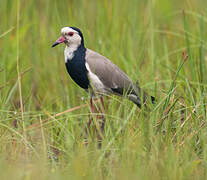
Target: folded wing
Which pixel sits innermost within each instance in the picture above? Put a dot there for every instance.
(113, 77)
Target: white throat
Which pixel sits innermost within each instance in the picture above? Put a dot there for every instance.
(69, 51)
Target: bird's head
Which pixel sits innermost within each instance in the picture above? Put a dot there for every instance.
(70, 36)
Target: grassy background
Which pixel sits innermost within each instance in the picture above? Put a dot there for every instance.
(150, 41)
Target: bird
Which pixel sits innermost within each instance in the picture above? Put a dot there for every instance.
(95, 73)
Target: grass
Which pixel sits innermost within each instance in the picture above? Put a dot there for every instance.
(43, 113)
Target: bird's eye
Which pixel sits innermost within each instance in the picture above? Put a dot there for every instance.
(70, 34)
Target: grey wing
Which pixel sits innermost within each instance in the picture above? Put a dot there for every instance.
(110, 75)
(114, 78)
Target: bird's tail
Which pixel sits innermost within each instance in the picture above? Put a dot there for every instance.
(139, 96)
(153, 99)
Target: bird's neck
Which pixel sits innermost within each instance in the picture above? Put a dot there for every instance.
(71, 50)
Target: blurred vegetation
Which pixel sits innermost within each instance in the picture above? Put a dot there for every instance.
(160, 43)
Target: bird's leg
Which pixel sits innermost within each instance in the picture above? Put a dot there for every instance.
(91, 104)
(92, 111)
(103, 112)
(102, 118)
(89, 122)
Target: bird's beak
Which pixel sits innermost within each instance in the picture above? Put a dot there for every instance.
(60, 40)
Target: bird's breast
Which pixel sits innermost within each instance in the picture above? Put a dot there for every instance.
(78, 72)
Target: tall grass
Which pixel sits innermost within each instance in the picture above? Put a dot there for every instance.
(43, 113)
